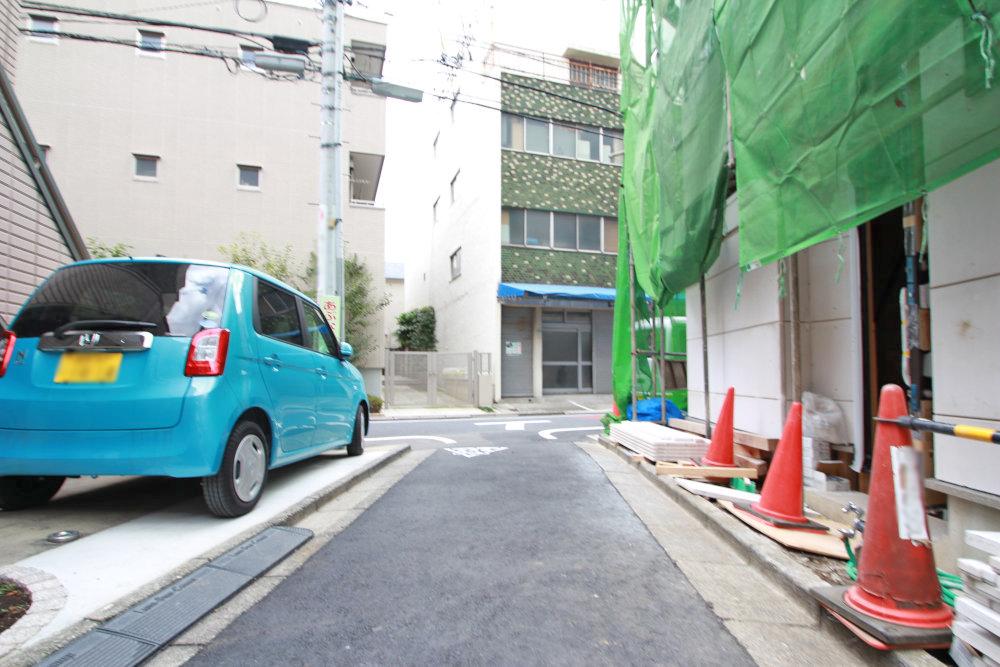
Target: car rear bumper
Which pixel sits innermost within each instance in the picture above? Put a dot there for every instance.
(192, 448)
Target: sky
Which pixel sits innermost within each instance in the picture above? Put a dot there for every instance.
(418, 33)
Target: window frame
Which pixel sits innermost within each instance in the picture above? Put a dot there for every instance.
(239, 181)
(298, 314)
(43, 36)
(150, 53)
(600, 132)
(302, 306)
(455, 259)
(601, 219)
(136, 157)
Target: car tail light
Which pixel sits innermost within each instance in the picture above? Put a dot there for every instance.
(7, 339)
(207, 354)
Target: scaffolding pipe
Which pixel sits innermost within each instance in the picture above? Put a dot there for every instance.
(704, 357)
(631, 310)
(796, 340)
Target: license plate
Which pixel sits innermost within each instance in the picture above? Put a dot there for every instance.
(88, 367)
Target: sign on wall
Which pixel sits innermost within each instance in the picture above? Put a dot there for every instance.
(332, 306)
(512, 348)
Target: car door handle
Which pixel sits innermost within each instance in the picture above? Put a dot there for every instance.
(321, 372)
(274, 362)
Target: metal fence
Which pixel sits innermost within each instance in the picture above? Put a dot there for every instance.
(421, 379)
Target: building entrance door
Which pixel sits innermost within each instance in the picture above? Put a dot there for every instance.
(567, 352)
(515, 355)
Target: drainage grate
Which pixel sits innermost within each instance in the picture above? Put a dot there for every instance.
(140, 631)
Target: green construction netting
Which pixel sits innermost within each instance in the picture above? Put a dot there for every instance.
(844, 109)
(674, 168)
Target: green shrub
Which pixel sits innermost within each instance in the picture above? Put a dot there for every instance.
(417, 330)
(374, 404)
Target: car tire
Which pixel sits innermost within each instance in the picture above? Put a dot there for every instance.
(18, 493)
(357, 445)
(236, 488)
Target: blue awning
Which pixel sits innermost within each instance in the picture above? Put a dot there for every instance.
(518, 290)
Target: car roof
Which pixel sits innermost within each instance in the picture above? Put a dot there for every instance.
(201, 262)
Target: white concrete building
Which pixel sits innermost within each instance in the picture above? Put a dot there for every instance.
(175, 154)
(521, 241)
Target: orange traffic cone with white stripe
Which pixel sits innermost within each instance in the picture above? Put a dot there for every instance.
(780, 501)
(720, 451)
(896, 602)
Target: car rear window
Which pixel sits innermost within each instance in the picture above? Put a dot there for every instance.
(180, 299)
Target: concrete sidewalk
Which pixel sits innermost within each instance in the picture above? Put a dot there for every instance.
(546, 405)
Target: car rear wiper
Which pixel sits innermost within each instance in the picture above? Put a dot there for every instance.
(103, 325)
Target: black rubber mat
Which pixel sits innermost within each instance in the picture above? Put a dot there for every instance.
(140, 631)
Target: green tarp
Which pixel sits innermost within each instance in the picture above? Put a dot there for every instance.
(844, 109)
(674, 168)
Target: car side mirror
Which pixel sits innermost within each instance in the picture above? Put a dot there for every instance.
(346, 351)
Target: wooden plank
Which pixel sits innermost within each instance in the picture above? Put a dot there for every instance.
(824, 544)
(744, 461)
(977, 638)
(984, 540)
(984, 617)
(752, 440)
(717, 492)
(703, 471)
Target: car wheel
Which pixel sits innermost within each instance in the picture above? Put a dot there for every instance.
(236, 488)
(357, 445)
(18, 493)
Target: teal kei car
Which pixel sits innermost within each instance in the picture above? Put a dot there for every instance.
(174, 368)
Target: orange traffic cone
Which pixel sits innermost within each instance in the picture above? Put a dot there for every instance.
(720, 451)
(780, 501)
(896, 602)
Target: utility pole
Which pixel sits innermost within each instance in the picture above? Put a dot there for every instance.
(330, 233)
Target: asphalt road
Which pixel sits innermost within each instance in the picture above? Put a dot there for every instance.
(520, 555)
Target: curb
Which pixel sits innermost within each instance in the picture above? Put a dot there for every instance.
(494, 413)
(776, 563)
(18, 657)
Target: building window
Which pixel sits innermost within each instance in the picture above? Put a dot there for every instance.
(589, 232)
(592, 76)
(456, 264)
(560, 231)
(43, 28)
(610, 235)
(248, 56)
(150, 42)
(538, 230)
(452, 187)
(368, 59)
(593, 144)
(612, 147)
(536, 135)
(434, 210)
(564, 141)
(512, 131)
(249, 177)
(146, 167)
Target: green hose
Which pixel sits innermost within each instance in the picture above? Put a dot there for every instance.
(951, 584)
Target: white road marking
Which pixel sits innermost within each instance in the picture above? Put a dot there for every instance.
(547, 434)
(472, 452)
(514, 425)
(443, 441)
(584, 407)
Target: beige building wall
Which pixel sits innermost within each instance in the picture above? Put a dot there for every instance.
(97, 105)
(31, 242)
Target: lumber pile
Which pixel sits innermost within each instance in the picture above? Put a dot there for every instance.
(977, 609)
(658, 443)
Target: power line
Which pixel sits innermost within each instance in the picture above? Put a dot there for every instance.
(77, 11)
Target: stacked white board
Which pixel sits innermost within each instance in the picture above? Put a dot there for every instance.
(659, 443)
(977, 609)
